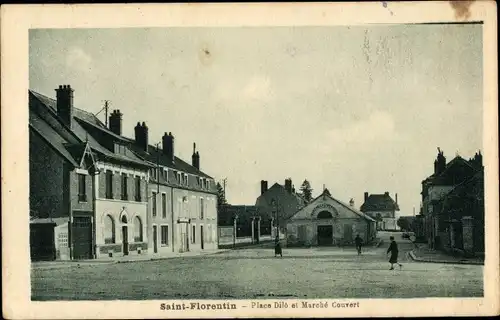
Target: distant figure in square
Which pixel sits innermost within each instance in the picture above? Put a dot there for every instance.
(359, 243)
(393, 249)
(277, 249)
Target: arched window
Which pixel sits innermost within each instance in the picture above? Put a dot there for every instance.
(109, 229)
(137, 229)
(325, 215)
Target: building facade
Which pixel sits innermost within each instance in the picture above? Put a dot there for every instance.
(82, 205)
(182, 198)
(278, 203)
(453, 205)
(327, 221)
(382, 208)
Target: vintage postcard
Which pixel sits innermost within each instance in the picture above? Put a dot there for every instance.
(250, 160)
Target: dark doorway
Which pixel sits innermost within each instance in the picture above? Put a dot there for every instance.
(202, 238)
(325, 235)
(125, 240)
(155, 239)
(82, 238)
(42, 242)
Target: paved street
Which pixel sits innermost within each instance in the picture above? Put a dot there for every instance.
(255, 273)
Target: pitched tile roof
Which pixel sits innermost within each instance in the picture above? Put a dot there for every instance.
(346, 206)
(455, 172)
(52, 137)
(289, 203)
(379, 202)
(156, 155)
(46, 110)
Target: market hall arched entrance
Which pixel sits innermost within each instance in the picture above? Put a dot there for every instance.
(325, 231)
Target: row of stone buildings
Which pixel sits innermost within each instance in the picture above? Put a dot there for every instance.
(95, 193)
(325, 220)
(452, 213)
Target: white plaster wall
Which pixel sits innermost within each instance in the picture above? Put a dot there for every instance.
(116, 209)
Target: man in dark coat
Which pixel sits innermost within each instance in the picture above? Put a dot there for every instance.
(393, 249)
(359, 243)
(277, 249)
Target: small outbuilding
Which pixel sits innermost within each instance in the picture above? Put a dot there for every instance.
(328, 221)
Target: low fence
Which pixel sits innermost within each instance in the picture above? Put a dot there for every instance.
(227, 240)
(243, 240)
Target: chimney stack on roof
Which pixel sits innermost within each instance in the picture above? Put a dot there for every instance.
(142, 136)
(440, 162)
(263, 187)
(195, 157)
(396, 198)
(351, 202)
(168, 145)
(64, 104)
(288, 185)
(366, 196)
(115, 122)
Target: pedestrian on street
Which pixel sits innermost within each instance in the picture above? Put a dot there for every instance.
(277, 249)
(393, 249)
(359, 243)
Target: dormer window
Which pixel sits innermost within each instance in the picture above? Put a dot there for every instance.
(185, 179)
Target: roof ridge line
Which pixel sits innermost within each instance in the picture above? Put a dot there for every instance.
(63, 125)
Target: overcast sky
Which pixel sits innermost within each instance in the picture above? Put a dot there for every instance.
(355, 108)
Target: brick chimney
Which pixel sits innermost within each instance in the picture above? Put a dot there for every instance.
(440, 162)
(288, 185)
(168, 145)
(366, 196)
(141, 136)
(396, 198)
(351, 202)
(115, 122)
(195, 158)
(64, 96)
(263, 186)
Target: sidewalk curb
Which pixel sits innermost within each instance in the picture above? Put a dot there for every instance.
(70, 264)
(170, 257)
(415, 258)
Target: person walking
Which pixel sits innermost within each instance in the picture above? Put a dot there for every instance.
(393, 249)
(359, 243)
(278, 250)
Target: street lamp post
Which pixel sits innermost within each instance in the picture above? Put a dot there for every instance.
(276, 207)
(235, 225)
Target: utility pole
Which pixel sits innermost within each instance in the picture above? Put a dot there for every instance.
(106, 111)
(106, 108)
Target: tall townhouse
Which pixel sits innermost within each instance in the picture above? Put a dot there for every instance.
(452, 200)
(182, 198)
(87, 188)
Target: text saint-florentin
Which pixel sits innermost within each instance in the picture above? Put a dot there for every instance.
(198, 306)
